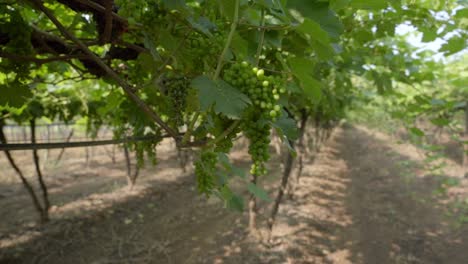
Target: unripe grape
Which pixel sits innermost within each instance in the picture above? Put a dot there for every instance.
(260, 73)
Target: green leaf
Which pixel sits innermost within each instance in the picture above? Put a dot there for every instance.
(369, 4)
(14, 94)
(314, 31)
(228, 8)
(149, 44)
(203, 25)
(454, 45)
(226, 99)
(231, 200)
(287, 127)
(174, 4)
(416, 131)
(258, 192)
(338, 4)
(239, 45)
(236, 202)
(301, 66)
(440, 121)
(429, 35)
(312, 88)
(327, 19)
(462, 13)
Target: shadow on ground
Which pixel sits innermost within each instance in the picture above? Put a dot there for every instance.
(355, 204)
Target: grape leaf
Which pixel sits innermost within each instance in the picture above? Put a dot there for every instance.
(454, 45)
(314, 30)
(14, 95)
(369, 4)
(226, 99)
(174, 4)
(258, 192)
(287, 127)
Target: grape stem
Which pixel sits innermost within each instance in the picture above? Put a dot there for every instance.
(262, 38)
(228, 41)
(226, 132)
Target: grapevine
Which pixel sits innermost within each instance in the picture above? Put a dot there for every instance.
(264, 91)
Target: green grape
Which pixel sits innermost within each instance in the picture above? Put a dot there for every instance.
(206, 49)
(263, 92)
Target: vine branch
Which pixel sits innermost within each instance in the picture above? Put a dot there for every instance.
(126, 87)
(228, 41)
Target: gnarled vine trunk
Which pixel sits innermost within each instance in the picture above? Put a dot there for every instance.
(40, 178)
(281, 190)
(29, 188)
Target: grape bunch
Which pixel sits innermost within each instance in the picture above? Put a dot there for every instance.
(264, 91)
(225, 144)
(259, 135)
(177, 90)
(205, 169)
(206, 48)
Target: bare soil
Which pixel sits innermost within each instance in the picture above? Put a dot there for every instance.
(363, 199)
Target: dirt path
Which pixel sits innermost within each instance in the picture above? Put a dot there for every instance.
(355, 204)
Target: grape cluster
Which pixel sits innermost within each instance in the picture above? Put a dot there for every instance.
(156, 13)
(177, 90)
(205, 48)
(264, 91)
(205, 169)
(224, 145)
(259, 135)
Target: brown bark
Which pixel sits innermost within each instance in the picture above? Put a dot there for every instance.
(24, 181)
(253, 209)
(300, 150)
(63, 149)
(284, 183)
(131, 178)
(40, 178)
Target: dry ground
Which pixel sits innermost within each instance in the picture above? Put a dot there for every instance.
(362, 200)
